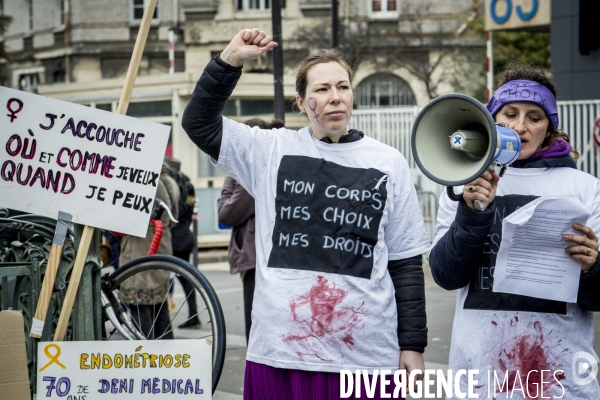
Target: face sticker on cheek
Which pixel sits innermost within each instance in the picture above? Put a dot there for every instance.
(312, 104)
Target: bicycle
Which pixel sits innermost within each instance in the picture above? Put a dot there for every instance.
(129, 328)
(26, 261)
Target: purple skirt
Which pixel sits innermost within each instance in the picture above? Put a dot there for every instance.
(262, 382)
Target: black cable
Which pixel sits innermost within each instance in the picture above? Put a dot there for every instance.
(452, 195)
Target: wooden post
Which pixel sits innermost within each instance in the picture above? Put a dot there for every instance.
(278, 99)
(46, 292)
(88, 231)
(62, 224)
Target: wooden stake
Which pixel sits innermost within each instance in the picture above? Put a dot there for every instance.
(46, 291)
(60, 233)
(88, 231)
(65, 312)
(136, 57)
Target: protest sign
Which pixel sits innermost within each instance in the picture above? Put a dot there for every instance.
(100, 167)
(165, 369)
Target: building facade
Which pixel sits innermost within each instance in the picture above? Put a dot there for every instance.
(575, 43)
(404, 53)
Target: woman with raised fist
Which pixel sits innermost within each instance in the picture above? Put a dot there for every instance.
(339, 233)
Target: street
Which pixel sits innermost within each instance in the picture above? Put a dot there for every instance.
(440, 313)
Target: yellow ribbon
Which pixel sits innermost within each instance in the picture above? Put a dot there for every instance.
(53, 357)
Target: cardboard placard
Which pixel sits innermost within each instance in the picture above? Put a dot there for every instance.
(100, 167)
(125, 369)
(14, 375)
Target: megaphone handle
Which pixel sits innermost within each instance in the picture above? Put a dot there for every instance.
(480, 205)
(493, 167)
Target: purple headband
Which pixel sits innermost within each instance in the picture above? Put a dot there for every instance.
(521, 90)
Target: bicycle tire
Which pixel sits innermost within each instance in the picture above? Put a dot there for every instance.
(200, 284)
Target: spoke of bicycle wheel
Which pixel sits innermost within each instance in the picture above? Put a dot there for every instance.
(154, 316)
(136, 323)
(137, 306)
(161, 305)
(184, 303)
(193, 292)
(178, 310)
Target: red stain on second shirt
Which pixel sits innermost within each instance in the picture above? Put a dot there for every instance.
(524, 358)
(317, 314)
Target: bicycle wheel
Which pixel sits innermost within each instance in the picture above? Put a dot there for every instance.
(123, 283)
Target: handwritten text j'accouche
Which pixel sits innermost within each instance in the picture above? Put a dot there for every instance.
(56, 174)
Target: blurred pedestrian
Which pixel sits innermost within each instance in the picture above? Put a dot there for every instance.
(146, 293)
(183, 244)
(236, 209)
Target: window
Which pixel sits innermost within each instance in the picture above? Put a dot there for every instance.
(59, 76)
(62, 12)
(30, 14)
(160, 108)
(137, 8)
(256, 5)
(384, 90)
(383, 8)
(241, 108)
(29, 82)
(104, 106)
(206, 169)
(1, 7)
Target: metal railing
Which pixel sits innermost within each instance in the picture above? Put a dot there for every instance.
(393, 126)
(577, 119)
(428, 203)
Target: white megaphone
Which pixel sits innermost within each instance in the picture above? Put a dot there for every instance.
(455, 139)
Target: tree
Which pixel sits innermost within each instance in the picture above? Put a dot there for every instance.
(423, 46)
(354, 42)
(527, 47)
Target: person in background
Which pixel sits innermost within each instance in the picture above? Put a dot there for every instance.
(111, 245)
(236, 209)
(276, 124)
(517, 337)
(184, 242)
(339, 233)
(146, 291)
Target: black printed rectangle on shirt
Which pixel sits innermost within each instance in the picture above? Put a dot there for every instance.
(480, 295)
(328, 216)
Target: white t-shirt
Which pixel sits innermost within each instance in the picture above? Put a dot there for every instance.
(499, 333)
(328, 219)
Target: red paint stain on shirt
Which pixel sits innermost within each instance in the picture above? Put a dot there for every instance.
(523, 359)
(318, 314)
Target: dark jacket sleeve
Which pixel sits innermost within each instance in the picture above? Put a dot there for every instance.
(202, 119)
(409, 286)
(588, 296)
(455, 257)
(236, 205)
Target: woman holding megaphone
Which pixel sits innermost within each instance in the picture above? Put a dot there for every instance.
(339, 234)
(512, 336)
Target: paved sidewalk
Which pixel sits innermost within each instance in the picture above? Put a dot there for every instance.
(212, 256)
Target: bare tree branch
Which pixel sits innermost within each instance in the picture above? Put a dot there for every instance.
(421, 42)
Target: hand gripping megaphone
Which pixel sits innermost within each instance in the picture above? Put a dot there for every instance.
(455, 139)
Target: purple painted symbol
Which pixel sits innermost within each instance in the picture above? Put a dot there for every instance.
(13, 113)
(312, 104)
